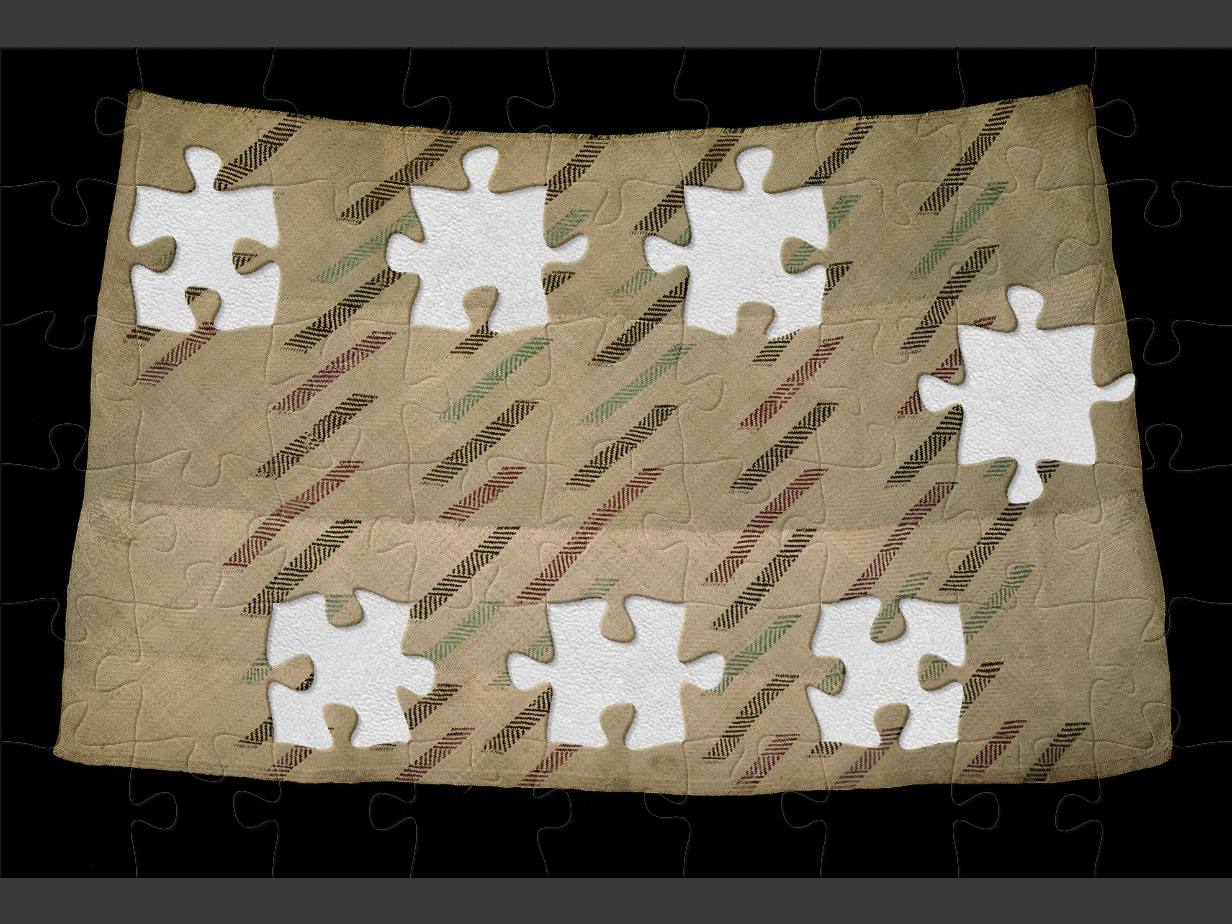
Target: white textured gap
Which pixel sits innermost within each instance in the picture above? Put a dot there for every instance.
(734, 251)
(883, 673)
(206, 224)
(590, 672)
(473, 238)
(360, 666)
(1026, 394)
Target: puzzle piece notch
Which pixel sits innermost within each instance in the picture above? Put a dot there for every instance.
(727, 269)
(883, 673)
(475, 238)
(591, 672)
(206, 224)
(360, 666)
(1026, 394)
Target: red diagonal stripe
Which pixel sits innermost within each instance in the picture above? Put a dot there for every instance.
(537, 589)
(272, 525)
(946, 371)
(435, 754)
(550, 764)
(332, 370)
(785, 392)
(993, 749)
(866, 761)
(484, 494)
(760, 523)
(911, 519)
(765, 761)
(178, 353)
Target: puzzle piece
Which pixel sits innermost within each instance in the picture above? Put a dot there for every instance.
(590, 672)
(727, 269)
(206, 224)
(478, 237)
(359, 666)
(1027, 395)
(882, 673)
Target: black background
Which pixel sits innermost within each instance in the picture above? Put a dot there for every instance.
(1164, 138)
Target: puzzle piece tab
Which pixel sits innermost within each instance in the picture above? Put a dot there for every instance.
(591, 672)
(880, 673)
(360, 666)
(206, 223)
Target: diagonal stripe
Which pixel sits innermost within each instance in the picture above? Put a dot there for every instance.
(841, 209)
(978, 682)
(961, 171)
(744, 720)
(550, 764)
(589, 473)
(538, 588)
(380, 194)
(403, 224)
(945, 431)
(462, 572)
(840, 155)
(785, 392)
(946, 299)
(765, 581)
(308, 337)
(434, 755)
(288, 762)
(983, 549)
(142, 332)
(890, 608)
(329, 373)
(865, 762)
(1069, 733)
(741, 660)
(994, 604)
(257, 153)
(673, 201)
(423, 707)
(947, 370)
(640, 383)
(906, 526)
(470, 344)
(964, 223)
(445, 470)
(662, 306)
(526, 719)
(501, 371)
(992, 750)
(768, 355)
(773, 457)
(576, 166)
(762, 521)
(290, 455)
(159, 370)
(487, 492)
(471, 623)
(273, 524)
(297, 569)
(765, 761)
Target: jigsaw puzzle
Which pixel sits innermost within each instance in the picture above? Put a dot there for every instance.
(724, 460)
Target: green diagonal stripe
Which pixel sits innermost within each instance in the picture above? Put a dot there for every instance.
(886, 614)
(539, 649)
(470, 624)
(259, 671)
(966, 221)
(655, 370)
(498, 374)
(841, 209)
(1001, 596)
(566, 226)
(358, 255)
(802, 254)
(754, 650)
(636, 282)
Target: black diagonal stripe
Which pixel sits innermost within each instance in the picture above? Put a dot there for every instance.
(835, 273)
(1069, 733)
(369, 203)
(428, 704)
(258, 736)
(576, 166)
(284, 459)
(765, 581)
(673, 201)
(143, 332)
(555, 279)
(520, 724)
(769, 460)
(961, 171)
(979, 680)
(471, 343)
(257, 153)
(983, 549)
(302, 565)
(463, 571)
(342, 312)
(950, 424)
(444, 471)
(619, 348)
(589, 473)
(769, 354)
(945, 300)
(744, 720)
(839, 156)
